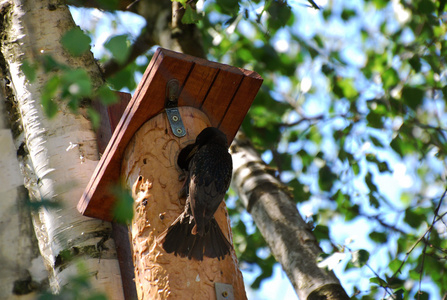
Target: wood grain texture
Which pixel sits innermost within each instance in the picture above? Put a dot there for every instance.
(222, 92)
(152, 154)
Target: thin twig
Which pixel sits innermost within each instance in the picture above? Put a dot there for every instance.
(423, 236)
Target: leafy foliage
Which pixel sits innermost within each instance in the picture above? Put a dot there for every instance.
(352, 116)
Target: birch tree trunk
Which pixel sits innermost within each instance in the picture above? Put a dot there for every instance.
(62, 151)
(22, 272)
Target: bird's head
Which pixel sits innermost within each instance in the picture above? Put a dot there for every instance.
(211, 135)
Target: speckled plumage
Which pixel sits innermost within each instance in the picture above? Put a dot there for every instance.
(208, 167)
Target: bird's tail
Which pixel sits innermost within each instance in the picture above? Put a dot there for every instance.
(179, 239)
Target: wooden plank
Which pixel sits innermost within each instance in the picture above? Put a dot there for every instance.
(116, 111)
(197, 85)
(223, 92)
(220, 96)
(97, 200)
(239, 107)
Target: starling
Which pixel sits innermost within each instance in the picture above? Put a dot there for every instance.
(208, 167)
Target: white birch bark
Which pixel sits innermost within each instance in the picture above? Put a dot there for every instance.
(22, 272)
(62, 151)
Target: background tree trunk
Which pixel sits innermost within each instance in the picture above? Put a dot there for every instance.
(62, 151)
(275, 214)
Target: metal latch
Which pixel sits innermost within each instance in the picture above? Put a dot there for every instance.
(224, 291)
(174, 118)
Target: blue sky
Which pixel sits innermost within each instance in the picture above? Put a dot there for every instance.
(352, 234)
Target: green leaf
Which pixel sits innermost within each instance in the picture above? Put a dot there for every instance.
(326, 178)
(390, 79)
(401, 147)
(379, 281)
(399, 294)
(380, 3)
(106, 95)
(48, 94)
(29, 70)
(395, 265)
(344, 88)
(123, 79)
(347, 14)
(415, 217)
(415, 63)
(229, 7)
(123, 210)
(360, 258)
(76, 82)
(119, 47)
(321, 232)
(413, 96)
(300, 191)
(76, 41)
(191, 16)
(376, 142)
(374, 119)
(280, 13)
(94, 117)
(421, 295)
(378, 237)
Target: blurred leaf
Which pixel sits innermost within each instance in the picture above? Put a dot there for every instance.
(360, 258)
(123, 210)
(76, 82)
(29, 70)
(399, 294)
(229, 7)
(280, 14)
(415, 217)
(347, 14)
(76, 41)
(415, 63)
(107, 96)
(390, 79)
(378, 237)
(344, 88)
(191, 16)
(94, 117)
(119, 47)
(123, 79)
(48, 93)
(374, 119)
(321, 232)
(421, 295)
(326, 178)
(379, 281)
(412, 96)
(300, 191)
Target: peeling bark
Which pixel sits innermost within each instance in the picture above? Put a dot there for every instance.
(62, 152)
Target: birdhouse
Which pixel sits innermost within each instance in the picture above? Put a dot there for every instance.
(178, 96)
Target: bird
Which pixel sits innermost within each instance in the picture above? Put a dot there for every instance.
(208, 168)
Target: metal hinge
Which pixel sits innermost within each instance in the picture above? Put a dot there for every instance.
(174, 118)
(224, 291)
